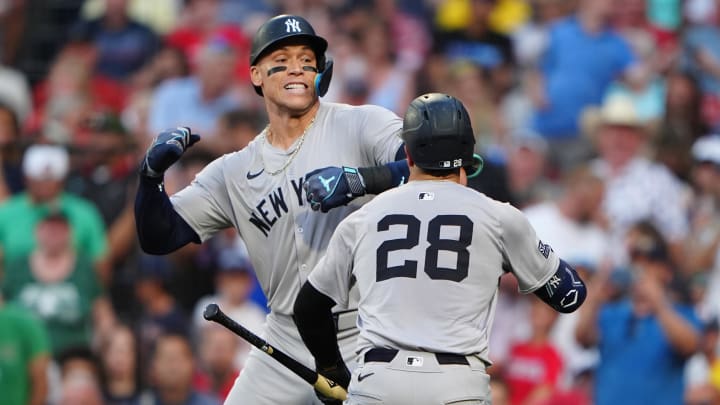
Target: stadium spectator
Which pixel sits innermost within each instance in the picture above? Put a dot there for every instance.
(80, 391)
(167, 64)
(72, 365)
(199, 100)
(568, 224)
(499, 393)
(160, 312)
(160, 15)
(530, 39)
(583, 57)
(71, 92)
(636, 188)
(172, 365)
(45, 168)
(234, 283)
(702, 373)
(683, 122)
(390, 83)
(236, 128)
(702, 246)
(59, 285)
(645, 338)
(527, 169)
(218, 348)
(512, 324)
(469, 84)
(119, 367)
(123, 44)
(534, 365)
(201, 22)
(11, 181)
(15, 93)
(683, 117)
(478, 42)
(701, 58)
(25, 356)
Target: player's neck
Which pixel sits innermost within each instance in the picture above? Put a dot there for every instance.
(284, 128)
(418, 175)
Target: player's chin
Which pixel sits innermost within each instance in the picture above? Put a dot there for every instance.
(299, 103)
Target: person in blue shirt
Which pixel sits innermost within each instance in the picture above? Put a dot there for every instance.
(645, 337)
(123, 44)
(582, 58)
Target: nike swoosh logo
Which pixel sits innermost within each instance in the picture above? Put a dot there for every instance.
(362, 377)
(251, 176)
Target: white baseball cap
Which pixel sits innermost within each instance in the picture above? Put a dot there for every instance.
(620, 110)
(707, 149)
(46, 162)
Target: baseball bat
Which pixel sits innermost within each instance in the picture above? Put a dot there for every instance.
(321, 383)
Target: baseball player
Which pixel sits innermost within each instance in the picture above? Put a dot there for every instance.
(259, 191)
(426, 258)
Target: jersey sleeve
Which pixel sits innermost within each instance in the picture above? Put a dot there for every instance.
(381, 134)
(205, 203)
(532, 261)
(331, 275)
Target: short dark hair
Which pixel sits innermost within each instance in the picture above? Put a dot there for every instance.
(79, 352)
(440, 172)
(168, 335)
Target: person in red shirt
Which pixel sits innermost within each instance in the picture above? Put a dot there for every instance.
(217, 353)
(201, 24)
(534, 366)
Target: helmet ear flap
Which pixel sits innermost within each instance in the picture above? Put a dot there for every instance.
(322, 80)
(477, 166)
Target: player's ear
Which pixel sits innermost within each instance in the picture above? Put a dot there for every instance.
(255, 76)
(463, 177)
(410, 162)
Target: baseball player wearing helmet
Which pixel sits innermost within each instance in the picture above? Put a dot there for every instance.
(426, 259)
(259, 191)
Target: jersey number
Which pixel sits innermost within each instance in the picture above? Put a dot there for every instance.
(411, 239)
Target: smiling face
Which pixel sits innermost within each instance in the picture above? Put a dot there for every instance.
(286, 75)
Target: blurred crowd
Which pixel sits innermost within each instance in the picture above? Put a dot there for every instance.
(597, 118)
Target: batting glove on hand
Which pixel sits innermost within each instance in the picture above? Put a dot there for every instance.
(340, 375)
(332, 187)
(166, 149)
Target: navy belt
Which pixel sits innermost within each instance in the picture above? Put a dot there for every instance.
(383, 355)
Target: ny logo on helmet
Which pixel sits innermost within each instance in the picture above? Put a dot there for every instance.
(292, 25)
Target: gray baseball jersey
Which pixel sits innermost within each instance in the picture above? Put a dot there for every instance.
(284, 236)
(427, 258)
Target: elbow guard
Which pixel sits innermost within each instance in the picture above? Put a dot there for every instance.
(564, 291)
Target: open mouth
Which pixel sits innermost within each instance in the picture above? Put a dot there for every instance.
(296, 87)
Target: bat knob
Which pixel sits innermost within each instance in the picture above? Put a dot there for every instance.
(211, 312)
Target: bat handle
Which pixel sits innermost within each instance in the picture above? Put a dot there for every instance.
(329, 388)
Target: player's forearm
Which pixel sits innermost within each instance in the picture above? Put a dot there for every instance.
(678, 331)
(312, 313)
(565, 291)
(380, 178)
(160, 228)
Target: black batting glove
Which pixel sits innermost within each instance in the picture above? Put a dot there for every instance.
(166, 149)
(332, 187)
(339, 374)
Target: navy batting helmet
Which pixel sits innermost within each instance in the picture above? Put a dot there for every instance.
(285, 26)
(438, 133)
